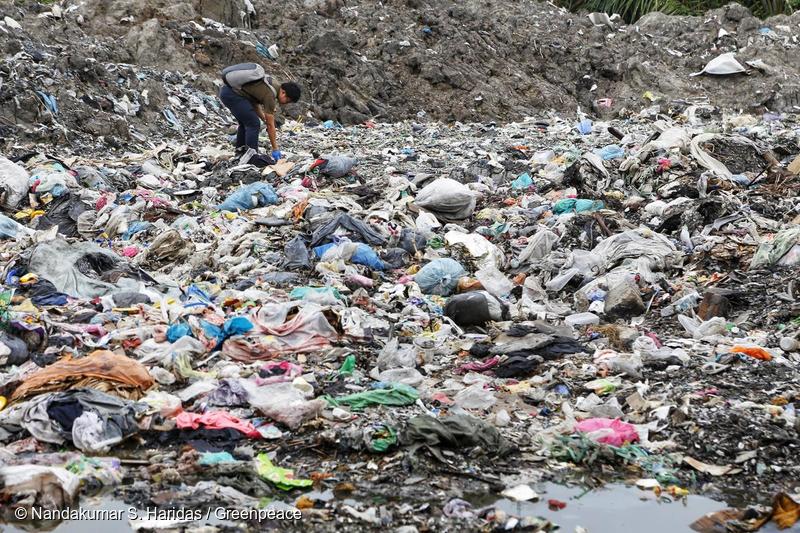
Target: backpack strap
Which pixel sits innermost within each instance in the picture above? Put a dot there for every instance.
(268, 81)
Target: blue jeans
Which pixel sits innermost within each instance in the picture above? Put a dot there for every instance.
(242, 109)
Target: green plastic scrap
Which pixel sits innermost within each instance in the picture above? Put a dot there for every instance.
(183, 367)
(283, 478)
(348, 366)
(579, 449)
(5, 303)
(103, 471)
(396, 395)
(435, 243)
(382, 437)
(777, 251)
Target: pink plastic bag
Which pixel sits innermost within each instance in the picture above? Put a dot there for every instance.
(216, 420)
(607, 431)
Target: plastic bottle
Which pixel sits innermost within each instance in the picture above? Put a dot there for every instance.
(683, 304)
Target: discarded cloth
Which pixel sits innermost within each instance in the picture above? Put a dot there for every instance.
(216, 420)
(101, 369)
(457, 432)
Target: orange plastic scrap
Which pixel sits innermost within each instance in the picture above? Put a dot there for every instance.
(753, 351)
(786, 511)
(299, 209)
(113, 371)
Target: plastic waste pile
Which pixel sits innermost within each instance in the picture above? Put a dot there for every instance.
(469, 307)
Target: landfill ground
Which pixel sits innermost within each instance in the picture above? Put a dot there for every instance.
(582, 315)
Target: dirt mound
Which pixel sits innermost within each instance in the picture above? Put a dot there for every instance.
(474, 61)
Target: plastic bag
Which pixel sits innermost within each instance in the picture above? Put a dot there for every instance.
(582, 319)
(584, 127)
(447, 199)
(478, 246)
(539, 246)
(579, 205)
(258, 194)
(411, 241)
(494, 281)
(475, 397)
(282, 402)
(396, 395)
(283, 478)
(699, 329)
(317, 295)
(296, 254)
(395, 258)
(612, 151)
(337, 166)
(608, 431)
(13, 183)
(9, 228)
(167, 404)
(776, 251)
(722, 65)
(475, 308)
(440, 276)
(395, 356)
(354, 252)
(524, 181)
(406, 376)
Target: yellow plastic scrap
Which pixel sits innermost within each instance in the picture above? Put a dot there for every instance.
(28, 279)
(28, 213)
(26, 306)
(518, 388)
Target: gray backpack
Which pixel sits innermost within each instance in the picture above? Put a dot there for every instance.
(239, 75)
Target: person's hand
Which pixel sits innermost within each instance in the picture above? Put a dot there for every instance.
(276, 155)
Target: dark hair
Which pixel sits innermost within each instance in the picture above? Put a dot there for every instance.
(292, 90)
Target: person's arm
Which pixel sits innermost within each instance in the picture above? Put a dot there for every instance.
(270, 120)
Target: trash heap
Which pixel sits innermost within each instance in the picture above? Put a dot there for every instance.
(400, 324)
(475, 303)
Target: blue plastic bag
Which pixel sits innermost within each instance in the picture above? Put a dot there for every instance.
(258, 194)
(584, 126)
(233, 326)
(440, 276)
(135, 227)
(524, 181)
(9, 228)
(612, 151)
(176, 331)
(579, 205)
(364, 255)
